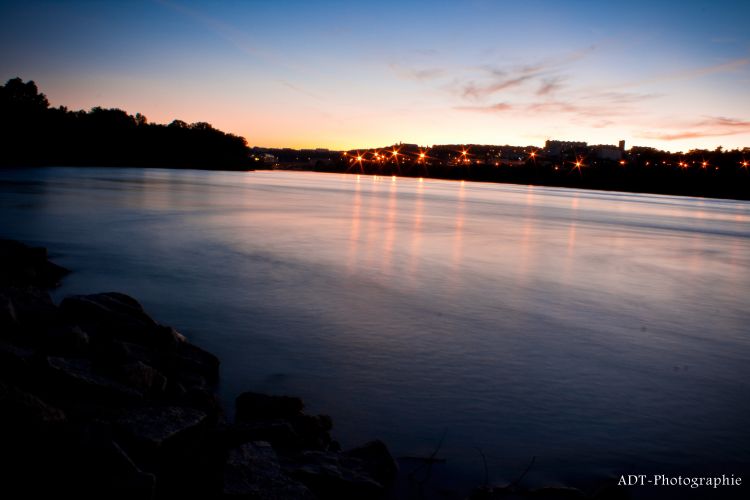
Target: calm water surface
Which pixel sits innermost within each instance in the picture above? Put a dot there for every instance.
(603, 333)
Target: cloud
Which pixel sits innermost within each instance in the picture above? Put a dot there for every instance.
(417, 74)
(471, 89)
(550, 86)
(608, 97)
(496, 79)
(492, 108)
(716, 126)
(554, 107)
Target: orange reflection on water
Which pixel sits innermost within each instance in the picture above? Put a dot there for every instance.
(527, 232)
(458, 232)
(355, 224)
(568, 264)
(390, 226)
(416, 232)
(373, 230)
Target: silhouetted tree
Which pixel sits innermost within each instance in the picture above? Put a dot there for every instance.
(34, 134)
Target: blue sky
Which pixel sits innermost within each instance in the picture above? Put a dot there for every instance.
(673, 75)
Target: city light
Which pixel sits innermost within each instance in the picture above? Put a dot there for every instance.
(577, 165)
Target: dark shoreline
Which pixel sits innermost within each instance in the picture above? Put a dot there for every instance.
(101, 401)
(737, 196)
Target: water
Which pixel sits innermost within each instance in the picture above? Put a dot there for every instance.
(603, 333)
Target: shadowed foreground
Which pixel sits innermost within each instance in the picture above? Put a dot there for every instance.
(101, 401)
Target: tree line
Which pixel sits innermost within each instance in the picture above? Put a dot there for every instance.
(34, 134)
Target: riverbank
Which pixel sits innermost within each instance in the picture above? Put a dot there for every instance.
(710, 185)
(101, 401)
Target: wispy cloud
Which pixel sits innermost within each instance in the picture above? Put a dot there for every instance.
(550, 86)
(498, 78)
(474, 90)
(417, 74)
(716, 126)
(491, 108)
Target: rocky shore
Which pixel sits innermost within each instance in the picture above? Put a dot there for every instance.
(99, 400)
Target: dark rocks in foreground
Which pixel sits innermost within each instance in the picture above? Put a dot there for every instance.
(101, 401)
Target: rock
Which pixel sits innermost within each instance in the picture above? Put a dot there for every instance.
(87, 462)
(279, 433)
(77, 378)
(252, 471)
(143, 378)
(169, 335)
(377, 460)
(112, 315)
(191, 360)
(67, 341)
(28, 310)
(123, 479)
(333, 475)
(17, 363)
(25, 410)
(24, 265)
(8, 318)
(108, 353)
(202, 399)
(100, 401)
(157, 426)
(313, 431)
(254, 406)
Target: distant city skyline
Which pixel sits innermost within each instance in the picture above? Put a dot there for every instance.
(347, 75)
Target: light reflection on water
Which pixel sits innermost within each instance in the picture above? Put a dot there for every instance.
(597, 331)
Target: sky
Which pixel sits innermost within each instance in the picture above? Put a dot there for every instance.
(345, 75)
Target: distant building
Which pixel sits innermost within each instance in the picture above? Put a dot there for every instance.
(556, 148)
(607, 152)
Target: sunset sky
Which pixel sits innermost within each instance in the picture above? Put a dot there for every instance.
(672, 75)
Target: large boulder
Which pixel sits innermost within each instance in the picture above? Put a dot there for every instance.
(27, 311)
(66, 340)
(154, 427)
(252, 471)
(376, 459)
(23, 410)
(27, 266)
(333, 475)
(18, 364)
(77, 379)
(143, 378)
(189, 360)
(116, 315)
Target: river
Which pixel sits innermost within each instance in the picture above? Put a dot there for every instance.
(603, 333)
